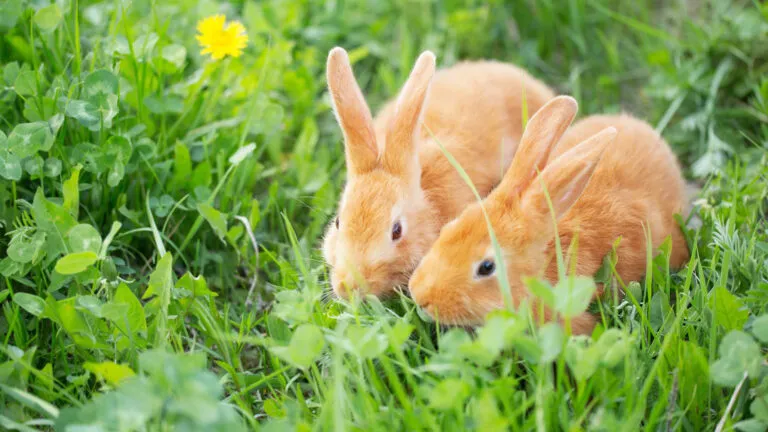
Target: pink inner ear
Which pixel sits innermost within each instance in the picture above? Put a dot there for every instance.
(572, 189)
(541, 136)
(537, 166)
(564, 201)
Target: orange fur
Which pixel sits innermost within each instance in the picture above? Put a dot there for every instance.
(601, 188)
(397, 172)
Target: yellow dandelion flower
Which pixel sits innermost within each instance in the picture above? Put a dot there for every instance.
(219, 38)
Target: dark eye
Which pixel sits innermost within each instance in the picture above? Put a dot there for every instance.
(397, 231)
(337, 222)
(486, 268)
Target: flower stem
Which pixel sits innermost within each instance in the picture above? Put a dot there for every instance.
(219, 85)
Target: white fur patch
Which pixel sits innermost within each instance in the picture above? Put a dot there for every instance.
(396, 213)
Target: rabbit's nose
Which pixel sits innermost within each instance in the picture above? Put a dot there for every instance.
(347, 286)
(427, 306)
(419, 294)
(344, 284)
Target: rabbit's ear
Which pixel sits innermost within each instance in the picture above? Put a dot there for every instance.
(565, 178)
(541, 135)
(400, 150)
(352, 113)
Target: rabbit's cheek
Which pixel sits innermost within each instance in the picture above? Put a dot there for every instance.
(329, 244)
(378, 255)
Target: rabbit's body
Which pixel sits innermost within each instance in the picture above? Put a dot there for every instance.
(401, 188)
(609, 177)
(636, 184)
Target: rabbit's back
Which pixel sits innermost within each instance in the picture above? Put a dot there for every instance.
(637, 186)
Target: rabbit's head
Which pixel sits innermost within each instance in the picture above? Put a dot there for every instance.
(384, 223)
(458, 281)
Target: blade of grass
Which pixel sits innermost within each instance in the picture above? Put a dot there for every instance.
(506, 290)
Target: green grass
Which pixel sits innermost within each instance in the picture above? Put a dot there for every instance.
(137, 180)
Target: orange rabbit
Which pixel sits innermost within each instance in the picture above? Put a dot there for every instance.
(400, 186)
(609, 177)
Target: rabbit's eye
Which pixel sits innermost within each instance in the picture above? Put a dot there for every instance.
(337, 222)
(397, 231)
(486, 268)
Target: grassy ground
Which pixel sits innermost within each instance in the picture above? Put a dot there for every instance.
(136, 177)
